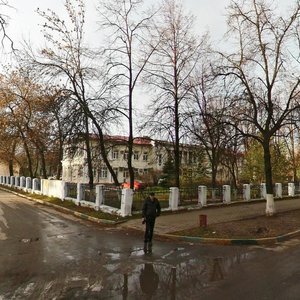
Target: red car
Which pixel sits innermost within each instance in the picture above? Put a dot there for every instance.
(137, 185)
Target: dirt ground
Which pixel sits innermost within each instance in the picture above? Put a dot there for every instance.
(258, 227)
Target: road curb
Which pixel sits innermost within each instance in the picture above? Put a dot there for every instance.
(67, 210)
(234, 242)
(191, 239)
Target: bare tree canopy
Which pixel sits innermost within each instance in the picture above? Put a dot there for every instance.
(128, 51)
(263, 73)
(169, 75)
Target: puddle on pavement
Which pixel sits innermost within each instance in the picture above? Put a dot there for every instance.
(30, 240)
(182, 279)
(130, 274)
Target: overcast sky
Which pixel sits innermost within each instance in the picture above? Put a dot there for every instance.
(24, 21)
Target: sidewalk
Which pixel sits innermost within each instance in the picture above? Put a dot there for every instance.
(215, 214)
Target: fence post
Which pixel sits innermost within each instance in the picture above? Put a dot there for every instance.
(28, 183)
(79, 193)
(174, 198)
(202, 195)
(35, 184)
(246, 192)
(278, 190)
(226, 194)
(12, 180)
(291, 189)
(63, 190)
(17, 181)
(263, 191)
(126, 202)
(22, 182)
(99, 196)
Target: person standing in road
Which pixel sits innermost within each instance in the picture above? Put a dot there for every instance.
(151, 210)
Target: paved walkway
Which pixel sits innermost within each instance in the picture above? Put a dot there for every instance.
(215, 214)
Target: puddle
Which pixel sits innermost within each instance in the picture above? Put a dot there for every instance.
(26, 241)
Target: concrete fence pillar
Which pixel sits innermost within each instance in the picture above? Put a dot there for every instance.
(8, 180)
(22, 182)
(17, 181)
(291, 189)
(263, 191)
(278, 190)
(174, 198)
(226, 194)
(28, 183)
(246, 192)
(202, 195)
(99, 196)
(12, 180)
(36, 184)
(126, 202)
(79, 193)
(64, 190)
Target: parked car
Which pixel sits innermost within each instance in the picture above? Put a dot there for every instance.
(138, 185)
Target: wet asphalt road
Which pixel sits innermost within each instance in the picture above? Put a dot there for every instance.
(45, 254)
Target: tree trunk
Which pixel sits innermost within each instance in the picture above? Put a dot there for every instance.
(88, 152)
(43, 162)
(270, 205)
(60, 155)
(130, 137)
(11, 167)
(28, 156)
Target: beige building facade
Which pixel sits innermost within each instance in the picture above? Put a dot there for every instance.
(149, 156)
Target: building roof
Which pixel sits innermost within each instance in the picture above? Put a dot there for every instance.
(120, 139)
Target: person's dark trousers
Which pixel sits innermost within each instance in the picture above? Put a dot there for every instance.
(150, 222)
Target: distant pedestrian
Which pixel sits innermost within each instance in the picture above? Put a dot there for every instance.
(151, 210)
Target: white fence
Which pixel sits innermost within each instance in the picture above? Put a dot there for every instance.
(96, 200)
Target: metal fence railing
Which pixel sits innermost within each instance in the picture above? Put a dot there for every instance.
(139, 196)
(71, 190)
(112, 196)
(214, 195)
(237, 194)
(88, 193)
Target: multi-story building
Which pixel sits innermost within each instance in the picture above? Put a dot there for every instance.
(149, 157)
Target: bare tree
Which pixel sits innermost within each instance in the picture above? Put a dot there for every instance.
(206, 119)
(4, 23)
(128, 51)
(169, 74)
(263, 74)
(67, 59)
(20, 96)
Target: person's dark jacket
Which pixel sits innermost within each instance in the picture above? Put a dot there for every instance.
(151, 209)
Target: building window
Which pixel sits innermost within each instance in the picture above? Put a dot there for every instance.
(136, 156)
(125, 156)
(115, 155)
(159, 159)
(103, 172)
(145, 156)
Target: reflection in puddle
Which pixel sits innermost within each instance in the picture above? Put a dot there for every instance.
(121, 276)
(148, 280)
(183, 281)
